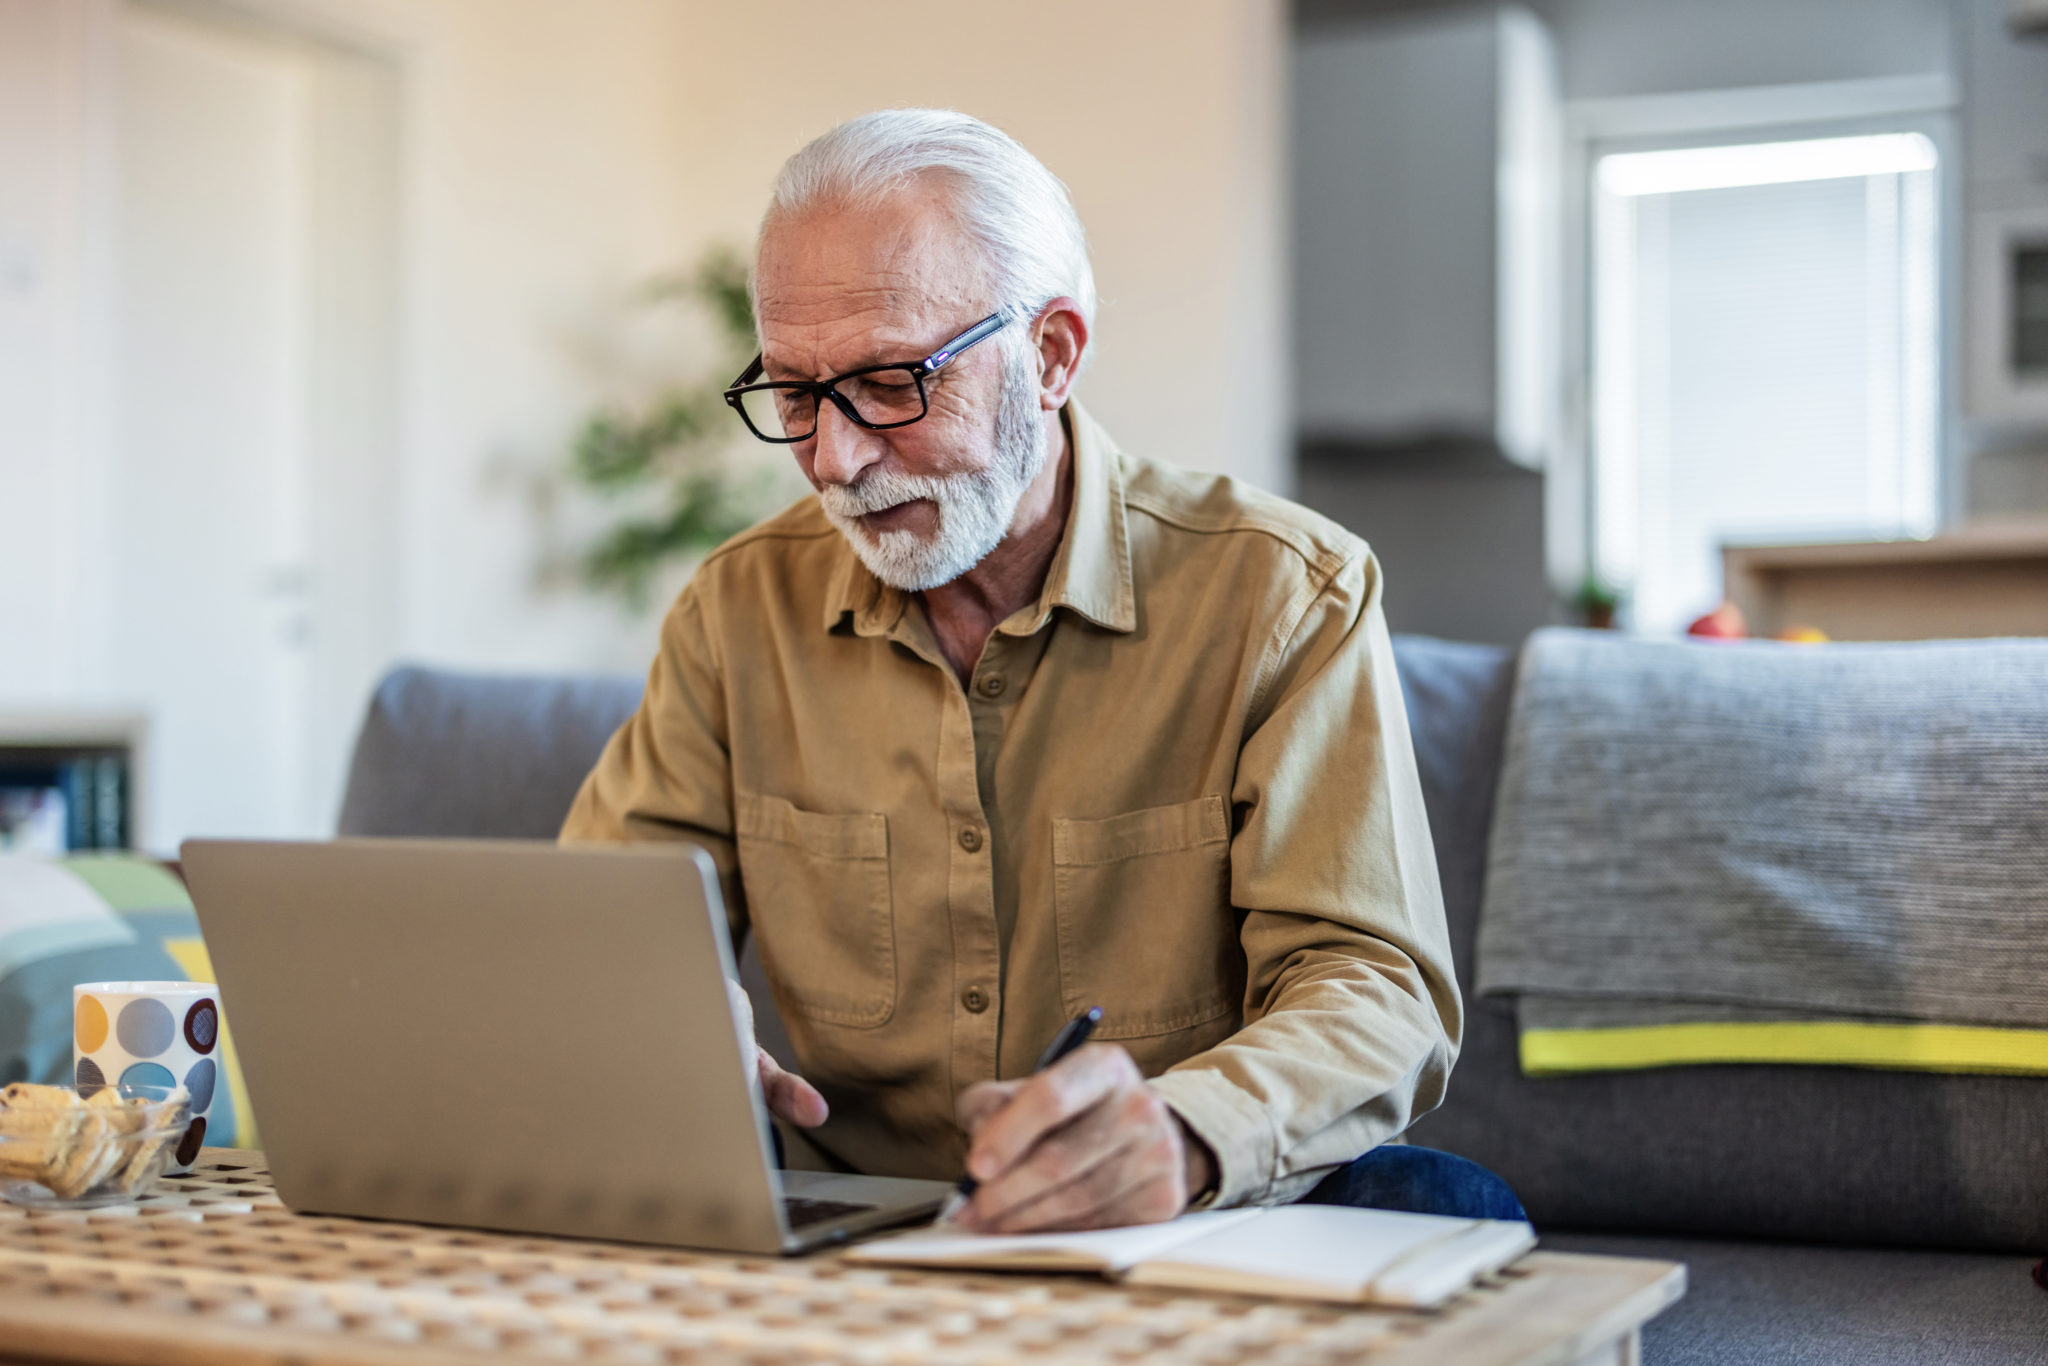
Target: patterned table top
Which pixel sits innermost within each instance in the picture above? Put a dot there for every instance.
(212, 1268)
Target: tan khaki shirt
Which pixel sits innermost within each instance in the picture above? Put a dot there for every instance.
(1179, 787)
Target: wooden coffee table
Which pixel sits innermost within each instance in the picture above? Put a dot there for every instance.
(213, 1269)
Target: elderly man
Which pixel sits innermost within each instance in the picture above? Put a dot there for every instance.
(1005, 724)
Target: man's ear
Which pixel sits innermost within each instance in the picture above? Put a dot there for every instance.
(1060, 334)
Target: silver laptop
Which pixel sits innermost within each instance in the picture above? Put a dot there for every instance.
(510, 1036)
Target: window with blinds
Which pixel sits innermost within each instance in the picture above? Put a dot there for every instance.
(1766, 355)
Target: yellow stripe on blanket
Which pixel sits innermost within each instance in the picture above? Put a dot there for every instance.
(1835, 1043)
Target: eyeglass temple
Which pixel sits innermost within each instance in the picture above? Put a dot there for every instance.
(981, 331)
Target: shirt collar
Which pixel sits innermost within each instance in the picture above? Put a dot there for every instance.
(855, 592)
(1090, 573)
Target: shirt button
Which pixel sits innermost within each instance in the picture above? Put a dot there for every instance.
(992, 685)
(970, 838)
(975, 999)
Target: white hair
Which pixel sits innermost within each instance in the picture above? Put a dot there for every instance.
(1016, 212)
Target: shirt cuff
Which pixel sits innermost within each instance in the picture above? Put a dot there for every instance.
(1237, 1129)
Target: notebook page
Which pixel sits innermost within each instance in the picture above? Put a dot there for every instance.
(1432, 1274)
(1332, 1252)
(1107, 1250)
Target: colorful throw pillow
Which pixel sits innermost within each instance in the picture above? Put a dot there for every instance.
(97, 918)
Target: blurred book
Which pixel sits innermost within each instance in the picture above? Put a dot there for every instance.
(54, 801)
(34, 820)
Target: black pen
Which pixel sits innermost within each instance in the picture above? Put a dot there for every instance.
(1072, 1035)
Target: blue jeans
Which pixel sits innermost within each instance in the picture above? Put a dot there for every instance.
(1421, 1181)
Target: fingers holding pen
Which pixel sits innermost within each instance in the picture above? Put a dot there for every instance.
(1035, 1106)
(1083, 1144)
(978, 1104)
(1080, 1176)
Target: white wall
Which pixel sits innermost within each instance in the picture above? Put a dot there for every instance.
(563, 153)
(52, 258)
(1165, 120)
(553, 156)
(546, 173)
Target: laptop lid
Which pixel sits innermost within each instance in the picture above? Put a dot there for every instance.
(507, 1035)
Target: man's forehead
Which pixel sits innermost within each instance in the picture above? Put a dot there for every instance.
(844, 289)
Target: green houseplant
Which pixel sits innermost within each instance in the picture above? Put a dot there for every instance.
(668, 465)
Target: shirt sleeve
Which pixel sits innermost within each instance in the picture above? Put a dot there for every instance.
(666, 774)
(1352, 1015)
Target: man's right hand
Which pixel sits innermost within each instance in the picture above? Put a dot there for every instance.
(790, 1098)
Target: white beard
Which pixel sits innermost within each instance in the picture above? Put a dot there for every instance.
(975, 509)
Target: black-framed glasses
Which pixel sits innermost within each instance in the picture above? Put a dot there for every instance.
(877, 397)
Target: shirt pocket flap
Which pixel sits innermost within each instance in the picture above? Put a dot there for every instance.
(855, 835)
(818, 893)
(1155, 830)
(1141, 906)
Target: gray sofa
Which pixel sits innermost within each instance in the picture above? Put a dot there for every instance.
(1826, 1214)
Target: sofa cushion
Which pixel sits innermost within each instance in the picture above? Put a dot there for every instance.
(1829, 1306)
(452, 755)
(1830, 1154)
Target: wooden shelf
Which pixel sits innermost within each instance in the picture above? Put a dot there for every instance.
(1990, 579)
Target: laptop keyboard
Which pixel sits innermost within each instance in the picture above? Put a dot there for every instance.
(802, 1213)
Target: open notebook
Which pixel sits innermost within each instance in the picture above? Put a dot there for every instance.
(1313, 1252)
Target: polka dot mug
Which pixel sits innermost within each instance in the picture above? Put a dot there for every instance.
(154, 1034)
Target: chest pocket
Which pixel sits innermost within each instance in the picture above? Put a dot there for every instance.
(1146, 930)
(818, 893)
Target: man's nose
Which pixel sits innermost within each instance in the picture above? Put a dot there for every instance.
(841, 449)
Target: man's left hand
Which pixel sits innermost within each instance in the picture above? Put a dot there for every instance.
(1084, 1144)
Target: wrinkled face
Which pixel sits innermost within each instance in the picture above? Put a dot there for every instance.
(837, 291)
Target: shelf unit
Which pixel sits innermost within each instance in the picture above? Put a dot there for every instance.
(86, 764)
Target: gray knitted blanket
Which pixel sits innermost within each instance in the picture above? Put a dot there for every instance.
(1772, 831)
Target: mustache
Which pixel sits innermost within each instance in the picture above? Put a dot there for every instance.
(876, 490)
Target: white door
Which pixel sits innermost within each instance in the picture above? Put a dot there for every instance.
(250, 515)
(210, 524)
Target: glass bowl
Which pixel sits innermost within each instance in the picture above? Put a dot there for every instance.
(60, 1149)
